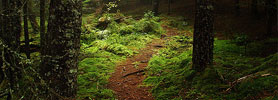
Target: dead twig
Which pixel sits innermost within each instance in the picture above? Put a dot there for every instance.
(139, 71)
(234, 83)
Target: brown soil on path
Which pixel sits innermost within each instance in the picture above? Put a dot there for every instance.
(128, 75)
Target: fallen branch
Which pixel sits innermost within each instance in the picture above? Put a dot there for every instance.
(139, 71)
(126, 64)
(234, 83)
(2, 94)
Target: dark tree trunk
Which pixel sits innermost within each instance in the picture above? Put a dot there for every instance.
(254, 7)
(203, 35)
(169, 6)
(59, 64)
(26, 32)
(10, 36)
(42, 25)
(271, 16)
(32, 16)
(1, 18)
(237, 7)
(156, 7)
(1, 47)
(12, 27)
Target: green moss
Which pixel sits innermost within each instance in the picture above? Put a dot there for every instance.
(171, 69)
(102, 49)
(166, 72)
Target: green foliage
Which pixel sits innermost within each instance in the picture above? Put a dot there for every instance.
(179, 22)
(241, 39)
(253, 87)
(166, 85)
(171, 75)
(147, 25)
(102, 47)
(93, 76)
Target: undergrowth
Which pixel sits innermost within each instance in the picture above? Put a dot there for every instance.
(107, 40)
(171, 75)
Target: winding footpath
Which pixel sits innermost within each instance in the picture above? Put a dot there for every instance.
(129, 75)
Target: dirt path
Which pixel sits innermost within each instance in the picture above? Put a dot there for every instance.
(128, 76)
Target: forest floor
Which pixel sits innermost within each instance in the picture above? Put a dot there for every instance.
(129, 74)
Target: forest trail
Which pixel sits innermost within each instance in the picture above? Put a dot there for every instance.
(129, 74)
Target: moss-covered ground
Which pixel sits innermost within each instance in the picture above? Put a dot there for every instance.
(107, 40)
(239, 72)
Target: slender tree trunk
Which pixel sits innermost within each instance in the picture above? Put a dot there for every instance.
(26, 32)
(156, 7)
(59, 64)
(10, 36)
(1, 18)
(1, 47)
(32, 16)
(203, 35)
(169, 6)
(271, 16)
(237, 7)
(254, 8)
(12, 27)
(42, 25)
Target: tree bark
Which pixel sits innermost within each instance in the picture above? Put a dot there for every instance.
(42, 25)
(10, 36)
(59, 64)
(12, 27)
(169, 6)
(1, 47)
(156, 7)
(254, 7)
(26, 32)
(237, 7)
(271, 16)
(203, 35)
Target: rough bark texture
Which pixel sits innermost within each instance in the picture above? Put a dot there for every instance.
(59, 64)
(156, 7)
(271, 16)
(1, 47)
(12, 28)
(254, 7)
(169, 6)
(10, 36)
(237, 7)
(203, 35)
(42, 25)
(26, 32)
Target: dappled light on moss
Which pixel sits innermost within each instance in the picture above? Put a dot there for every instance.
(104, 46)
(171, 76)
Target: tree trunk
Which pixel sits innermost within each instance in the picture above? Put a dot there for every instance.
(271, 16)
(1, 18)
(156, 7)
(254, 8)
(26, 32)
(42, 25)
(169, 6)
(1, 47)
(237, 7)
(32, 16)
(203, 35)
(59, 64)
(10, 36)
(12, 27)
